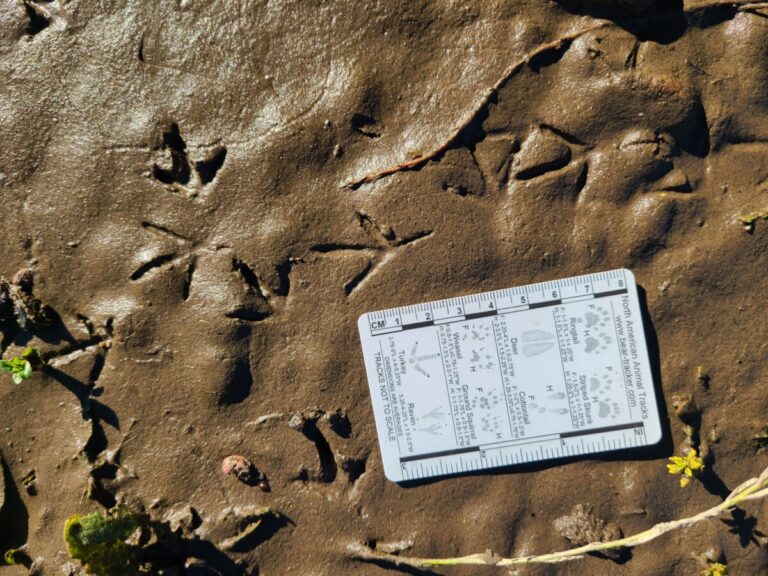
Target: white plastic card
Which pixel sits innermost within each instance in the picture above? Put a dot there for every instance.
(526, 374)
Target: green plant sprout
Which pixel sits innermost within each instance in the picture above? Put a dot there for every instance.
(21, 367)
(10, 557)
(102, 543)
(715, 569)
(687, 465)
(752, 489)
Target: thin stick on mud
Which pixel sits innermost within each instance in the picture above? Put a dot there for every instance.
(752, 489)
(421, 159)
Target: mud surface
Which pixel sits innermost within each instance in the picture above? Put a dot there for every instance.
(176, 175)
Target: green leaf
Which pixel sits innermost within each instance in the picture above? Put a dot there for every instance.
(27, 372)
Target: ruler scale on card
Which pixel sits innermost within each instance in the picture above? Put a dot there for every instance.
(520, 375)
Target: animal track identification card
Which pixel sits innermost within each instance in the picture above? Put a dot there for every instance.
(526, 374)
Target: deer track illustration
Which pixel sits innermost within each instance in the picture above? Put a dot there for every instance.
(537, 342)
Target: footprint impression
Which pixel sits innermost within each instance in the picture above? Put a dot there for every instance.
(601, 388)
(537, 342)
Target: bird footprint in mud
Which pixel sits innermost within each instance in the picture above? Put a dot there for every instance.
(338, 422)
(173, 166)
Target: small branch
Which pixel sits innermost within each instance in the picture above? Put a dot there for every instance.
(752, 489)
(511, 71)
(417, 162)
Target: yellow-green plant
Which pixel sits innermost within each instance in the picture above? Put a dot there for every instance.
(21, 367)
(687, 466)
(715, 569)
(102, 544)
(752, 489)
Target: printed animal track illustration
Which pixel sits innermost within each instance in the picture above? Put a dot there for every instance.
(481, 360)
(490, 423)
(537, 342)
(554, 407)
(478, 332)
(415, 360)
(542, 409)
(486, 401)
(436, 413)
(600, 383)
(606, 407)
(433, 429)
(600, 318)
(597, 343)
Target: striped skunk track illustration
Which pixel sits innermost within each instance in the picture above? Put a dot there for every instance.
(330, 462)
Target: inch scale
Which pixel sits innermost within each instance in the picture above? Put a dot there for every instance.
(525, 374)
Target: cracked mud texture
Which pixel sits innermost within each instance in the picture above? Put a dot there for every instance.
(176, 175)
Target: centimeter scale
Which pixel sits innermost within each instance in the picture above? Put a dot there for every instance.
(521, 375)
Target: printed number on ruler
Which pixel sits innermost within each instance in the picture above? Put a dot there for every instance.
(526, 374)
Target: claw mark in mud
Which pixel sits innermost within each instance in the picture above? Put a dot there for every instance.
(174, 148)
(248, 276)
(39, 18)
(188, 273)
(147, 267)
(350, 286)
(209, 167)
(173, 166)
(43, 14)
(383, 245)
(365, 125)
(308, 424)
(162, 230)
